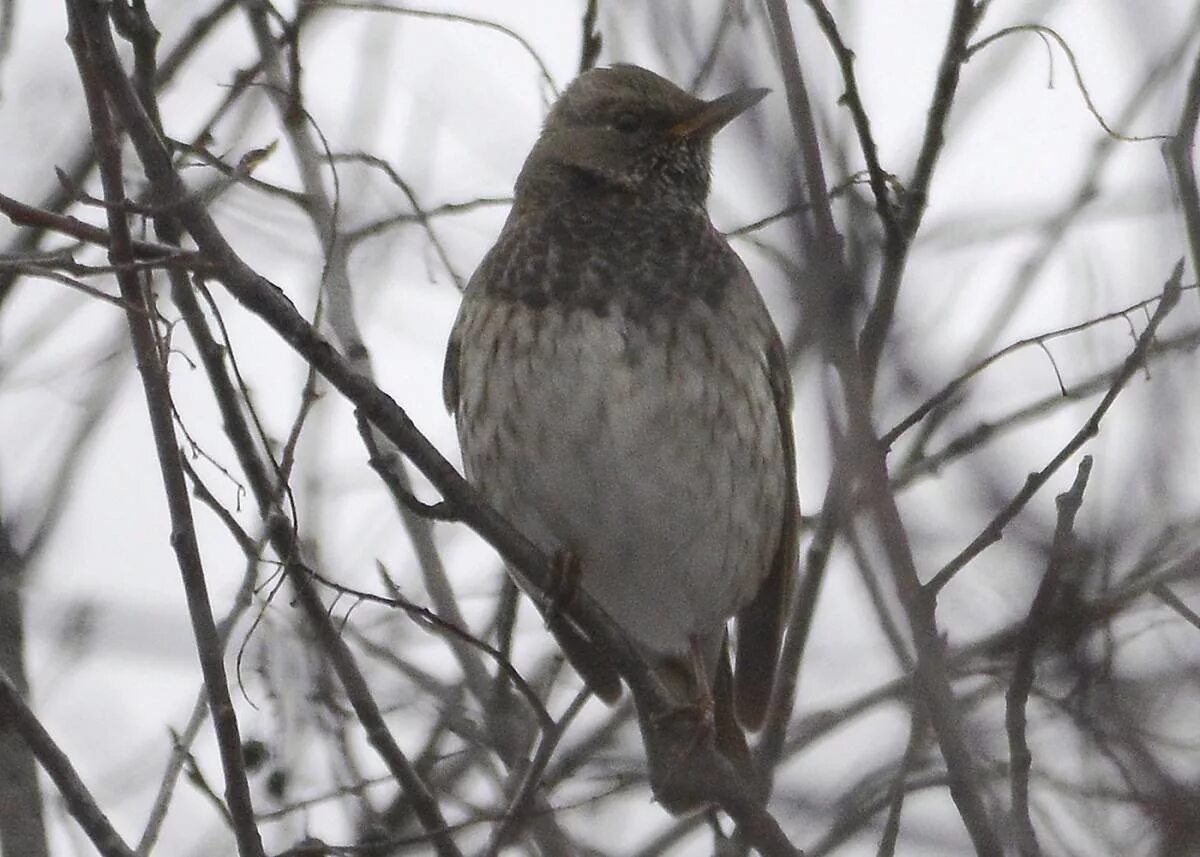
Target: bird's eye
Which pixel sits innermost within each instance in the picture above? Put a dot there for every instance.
(627, 122)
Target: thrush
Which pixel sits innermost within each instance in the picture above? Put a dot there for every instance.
(622, 396)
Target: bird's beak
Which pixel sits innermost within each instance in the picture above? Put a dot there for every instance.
(716, 114)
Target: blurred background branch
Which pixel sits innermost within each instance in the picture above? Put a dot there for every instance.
(958, 250)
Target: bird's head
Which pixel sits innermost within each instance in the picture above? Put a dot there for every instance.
(627, 129)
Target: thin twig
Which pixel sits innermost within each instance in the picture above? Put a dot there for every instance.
(931, 675)
(1166, 596)
(451, 18)
(1180, 153)
(100, 71)
(592, 40)
(875, 329)
(423, 216)
(1052, 230)
(38, 272)
(947, 392)
(878, 178)
(916, 739)
(1050, 33)
(724, 25)
(804, 127)
(974, 438)
(991, 533)
(48, 221)
(531, 778)
(839, 189)
(1062, 556)
(430, 620)
(420, 214)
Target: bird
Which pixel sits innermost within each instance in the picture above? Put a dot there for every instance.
(623, 398)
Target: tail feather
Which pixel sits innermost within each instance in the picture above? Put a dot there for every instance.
(671, 740)
(759, 634)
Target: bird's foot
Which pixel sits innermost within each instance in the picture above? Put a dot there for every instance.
(564, 583)
(589, 661)
(694, 719)
(698, 715)
(681, 735)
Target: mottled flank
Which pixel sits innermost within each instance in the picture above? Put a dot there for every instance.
(620, 390)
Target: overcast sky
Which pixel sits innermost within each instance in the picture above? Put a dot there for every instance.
(455, 108)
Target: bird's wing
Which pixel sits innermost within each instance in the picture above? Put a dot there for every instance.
(760, 623)
(450, 367)
(472, 294)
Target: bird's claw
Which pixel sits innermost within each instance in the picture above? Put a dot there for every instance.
(564, 583)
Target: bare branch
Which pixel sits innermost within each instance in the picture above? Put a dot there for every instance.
(1062, 556)
(874, 332)
(593, 41)
(88, 36)
(1051, 33)
(1180, 154)
(991, 533)
(58, 767)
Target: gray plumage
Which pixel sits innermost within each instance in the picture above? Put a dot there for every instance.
(620, 391)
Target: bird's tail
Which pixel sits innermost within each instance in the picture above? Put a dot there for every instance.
(672, 739)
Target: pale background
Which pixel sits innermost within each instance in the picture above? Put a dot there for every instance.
(454, 108)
